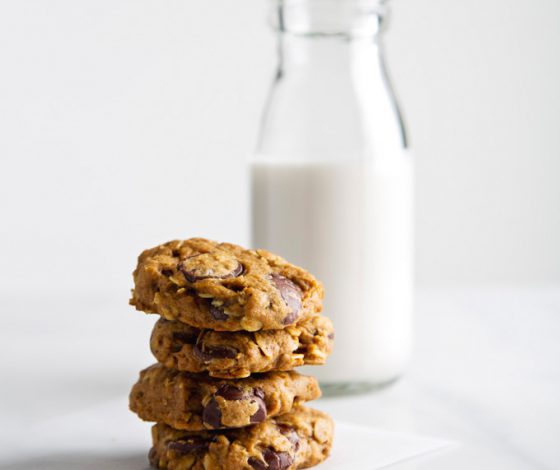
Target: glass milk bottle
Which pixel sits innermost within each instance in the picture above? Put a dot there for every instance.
(332, 183)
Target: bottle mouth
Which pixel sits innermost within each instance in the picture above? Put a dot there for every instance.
(348, 18)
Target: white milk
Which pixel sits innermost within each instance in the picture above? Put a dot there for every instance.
(350, 224)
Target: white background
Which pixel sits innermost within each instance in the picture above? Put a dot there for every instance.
(125, 123)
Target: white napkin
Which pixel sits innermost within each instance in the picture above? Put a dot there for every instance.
(365, 448)
(109, 437)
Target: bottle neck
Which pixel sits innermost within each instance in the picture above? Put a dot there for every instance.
(331, 95)
(328, 33)
(326, 55)
(350, 19)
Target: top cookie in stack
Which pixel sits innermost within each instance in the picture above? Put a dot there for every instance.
(234, 324)
(223, 287)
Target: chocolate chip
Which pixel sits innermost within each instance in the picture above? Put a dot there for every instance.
(290, 434)
(284, 460)
(181, 338)
(260, 415)
(291, 294)
(230, 392)
(257, 464)
(189, 445)
(185, 338)
(209, 266)
(273, 460)
(207, 353)
(153, 457)
(212, 415)
(290, 318)
(258, 398)
(217, 313)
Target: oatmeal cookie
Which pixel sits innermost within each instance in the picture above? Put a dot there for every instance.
(241, 353)
(223, 287)
(300, 439)
(196, 402)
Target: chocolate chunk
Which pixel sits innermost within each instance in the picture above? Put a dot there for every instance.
(260, 415)
(230, 392)
(153, 457)
(189, 445)
(217, 313)
(185, 338)
(207, 353)
(273, 460)
(290, 434)
(167, 272)
(291, 318)
(291, 294)
(209, 266)
(212, 415)
(257, 464)
(181, 338)
(282, 461)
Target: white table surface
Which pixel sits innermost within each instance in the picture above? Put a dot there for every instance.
(485, 372)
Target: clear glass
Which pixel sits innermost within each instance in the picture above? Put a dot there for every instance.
(332, 183)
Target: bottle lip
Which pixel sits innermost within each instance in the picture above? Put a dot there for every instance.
(348, 18)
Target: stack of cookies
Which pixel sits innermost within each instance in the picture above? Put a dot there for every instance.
(234, 324)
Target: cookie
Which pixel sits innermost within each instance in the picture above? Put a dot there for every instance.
(300, 439)
(223, 287)
(196, 402)
(238, 354)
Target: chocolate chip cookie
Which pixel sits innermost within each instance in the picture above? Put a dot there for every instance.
(223, 287)
(239, 354)
(196, 402)
(300, 439)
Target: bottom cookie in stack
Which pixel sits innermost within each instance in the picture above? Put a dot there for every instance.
(299, 439)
